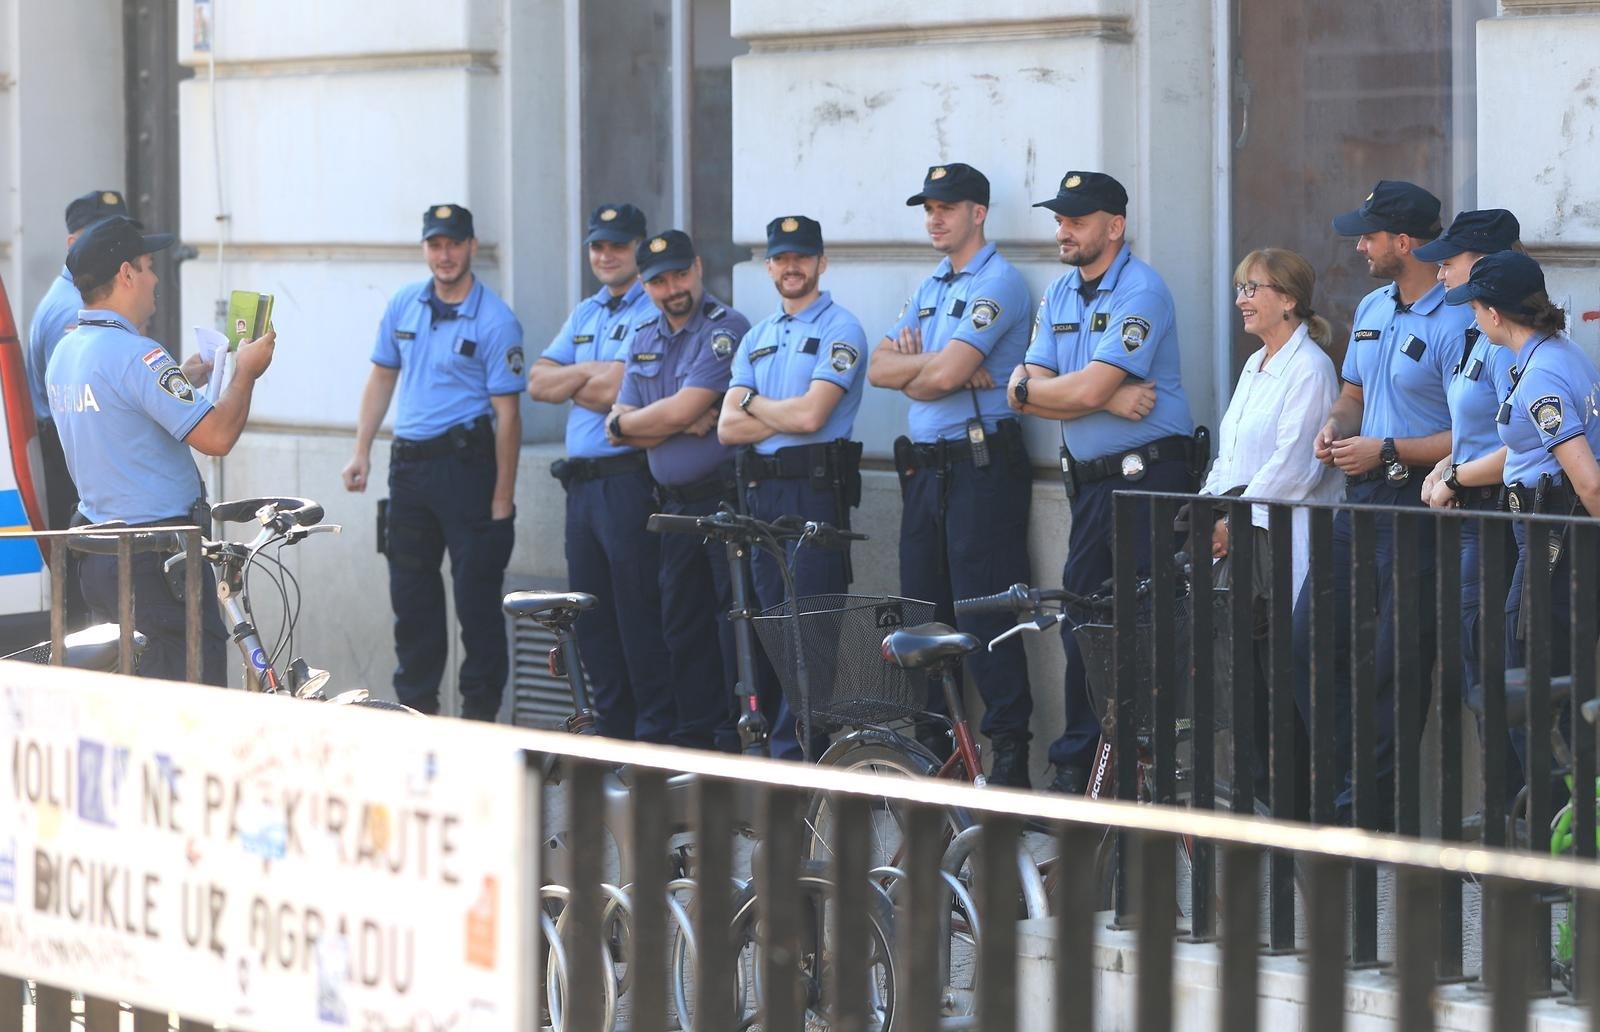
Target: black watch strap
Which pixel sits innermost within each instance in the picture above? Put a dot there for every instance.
(1389, 454)
(1451, 477)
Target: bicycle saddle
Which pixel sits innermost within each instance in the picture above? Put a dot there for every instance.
(536, 603)
(912, 648)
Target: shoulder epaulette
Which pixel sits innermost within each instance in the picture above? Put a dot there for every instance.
(713, 311)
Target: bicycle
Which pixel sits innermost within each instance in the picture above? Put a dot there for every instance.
(284, 521)
(1090, 620)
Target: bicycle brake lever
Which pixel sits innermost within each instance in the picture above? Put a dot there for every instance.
(1039, 623)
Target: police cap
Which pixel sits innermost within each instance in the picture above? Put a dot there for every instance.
(451, 220)
(1503, 280)
(617, 223)
(99, 252)
(92, 207)
(665, 252)
(1481, 232)
(1084, 192)
(955, 182)
(793, 234)
(1393, 206)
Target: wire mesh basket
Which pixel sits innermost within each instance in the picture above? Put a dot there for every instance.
(848, 679)
(1095, 640)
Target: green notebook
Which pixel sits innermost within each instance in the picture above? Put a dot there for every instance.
(249, 316)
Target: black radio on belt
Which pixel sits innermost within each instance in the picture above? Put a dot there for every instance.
(977, 437)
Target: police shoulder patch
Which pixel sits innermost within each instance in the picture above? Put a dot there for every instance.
(1135, 331)
(176, 384)
(842, 356)
(1546, 413)
(514, 360)
(722, 344)
(984, 312)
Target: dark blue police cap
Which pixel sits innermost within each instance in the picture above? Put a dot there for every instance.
(665, 252)
(1481, 232)
(1085, 192)
(1503, 280)
(956, 182)
(617, 223)
(99, 251)
(451, 220)
(93, 206)
(1392, 207)
(794, 234)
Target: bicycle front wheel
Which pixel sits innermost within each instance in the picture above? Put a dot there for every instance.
(882, 753)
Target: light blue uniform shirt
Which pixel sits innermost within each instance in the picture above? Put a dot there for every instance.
(1477, 385)
(123, 408)
(782, 354)
(662, 362)
(56, 315)
(1557, 398)
(1401, 359)
(448, 371)
(1128, 323)
(598, 330)
(986, 305)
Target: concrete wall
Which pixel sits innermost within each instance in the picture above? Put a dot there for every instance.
(61, 131)
(1537, 142)
(334, 130)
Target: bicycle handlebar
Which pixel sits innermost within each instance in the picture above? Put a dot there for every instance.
(1018, 600)
(733, 528)
(301, 512)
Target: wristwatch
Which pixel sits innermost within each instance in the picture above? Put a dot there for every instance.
(1450, 477)
(1020, 391)
(749, 396)
(1389, 455)
(615, 426)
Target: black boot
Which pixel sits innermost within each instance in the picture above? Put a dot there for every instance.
(1070, 780)
(1009, 767)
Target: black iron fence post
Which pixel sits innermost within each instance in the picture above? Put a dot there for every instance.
(1362, 763)
(1202, 658)
(647, 958)
(1585, 555)
(1125, 660)
(1282, 718)
(1447, 547)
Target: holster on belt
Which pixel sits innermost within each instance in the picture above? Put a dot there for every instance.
(562, 471)
(905, 458)
(1069, 472)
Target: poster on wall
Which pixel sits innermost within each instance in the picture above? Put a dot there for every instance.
(255, 861)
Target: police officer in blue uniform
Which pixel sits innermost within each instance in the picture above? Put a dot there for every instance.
(128, 415)
(453, 350)
(1478, 382)
(966, 483)
(791, 408)
(54, 318)
(1550, 429)
(677, 371)
(610, 495)
(1389, 426)
(1104, 361)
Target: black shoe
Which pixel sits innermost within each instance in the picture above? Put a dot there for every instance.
(1070, 781)
(1009, 768)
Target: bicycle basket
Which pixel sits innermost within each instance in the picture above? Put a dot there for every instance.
(849, 681)
(1095, 644)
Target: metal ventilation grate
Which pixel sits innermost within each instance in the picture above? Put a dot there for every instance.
(537, 699)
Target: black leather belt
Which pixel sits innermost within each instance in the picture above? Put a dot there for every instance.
(719, 484)
(800, 461)
(579, 470)
(477, 434)
(1131, 465)
(1486, 497)
(1559, 499)
(1381, 472)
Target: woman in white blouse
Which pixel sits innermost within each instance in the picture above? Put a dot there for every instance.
(1264, 446)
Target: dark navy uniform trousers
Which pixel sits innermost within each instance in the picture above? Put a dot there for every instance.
(696, 594)
(612, 556)
(439, 505)
(817, 571)
(1417, 629)
(158, 615)
(982, 549)
(1089, 565)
